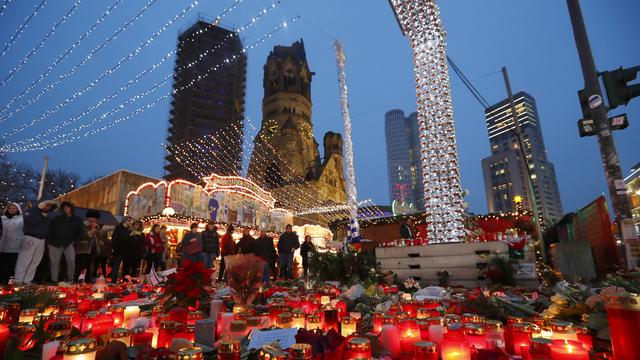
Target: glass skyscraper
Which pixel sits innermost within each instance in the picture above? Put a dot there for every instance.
(504, 171)
(403, 159)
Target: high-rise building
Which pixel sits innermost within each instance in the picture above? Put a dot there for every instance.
(286, 158)
(403, 159)
(207, 106)
(504, 171)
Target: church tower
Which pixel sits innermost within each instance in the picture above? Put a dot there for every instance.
(285, 150)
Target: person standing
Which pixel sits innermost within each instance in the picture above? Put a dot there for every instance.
(35, 228)
(11, 236)
(247, 243)
(266, 251)
(155, 248)
(210, 244)
(165, 242)
(119, 239)
(64, 232)
(133, 250)
(287, 245)
(406, 231)
(305, 249)
(192, 245)
(87, 247)
(227, 247)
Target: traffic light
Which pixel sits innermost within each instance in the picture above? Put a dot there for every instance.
(615, 84)
(587, 127)
(584, 104)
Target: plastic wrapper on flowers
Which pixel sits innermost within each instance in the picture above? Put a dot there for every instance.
(244, 273)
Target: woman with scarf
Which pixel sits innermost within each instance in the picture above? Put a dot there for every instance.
(10, 240)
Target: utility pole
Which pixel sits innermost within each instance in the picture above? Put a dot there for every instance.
(611, 162)
(525, 160)
(42, 176)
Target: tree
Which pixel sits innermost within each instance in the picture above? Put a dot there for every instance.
(59, 182)
(18, 182)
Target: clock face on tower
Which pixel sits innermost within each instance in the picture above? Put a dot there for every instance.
(271, 128)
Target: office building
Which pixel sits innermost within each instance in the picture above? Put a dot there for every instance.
(505, 173)
(403, 160)
(210, 106)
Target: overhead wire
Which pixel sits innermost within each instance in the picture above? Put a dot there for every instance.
(21, 28)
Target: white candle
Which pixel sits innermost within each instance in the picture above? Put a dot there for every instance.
(216, 308)
(131, 313)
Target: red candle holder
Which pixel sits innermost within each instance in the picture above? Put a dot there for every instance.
(623, 312)
(141, 337)
(409, 334)
(476, 335)
(520, 336)
(359, 348)
(167, 332)
(425, 350)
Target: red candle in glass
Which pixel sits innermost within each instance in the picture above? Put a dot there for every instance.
(454, 346)
(4, 337)
(118, 315)
(424, 350)
(623, 312)
(568, 350)
(341, 306)
(476, 336)
(520, 336)
(359, 348)
(423, 325)
(102, 326)
(409, 334)
(584, 337)
(410, 307)
(166, 333)
(331, 320)
(508, 333)
(540, 349)
(87, 320)
(378, 318)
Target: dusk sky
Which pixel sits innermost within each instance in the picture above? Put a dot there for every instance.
(532, 38)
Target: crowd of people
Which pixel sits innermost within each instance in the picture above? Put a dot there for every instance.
(83, 249)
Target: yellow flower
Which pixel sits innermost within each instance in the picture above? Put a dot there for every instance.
(559, 299)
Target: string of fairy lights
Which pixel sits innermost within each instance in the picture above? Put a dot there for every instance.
(90, 55)
(254, 20)
(96, 81)
(197, 156)
(42, 42)
(4, 5)
(68, 137)
(21, 28)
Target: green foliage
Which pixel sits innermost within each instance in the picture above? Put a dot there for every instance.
(351, 267)
(629, 281)
(33, 298)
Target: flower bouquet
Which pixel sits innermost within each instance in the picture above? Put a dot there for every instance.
(187, 286)
(244, 273)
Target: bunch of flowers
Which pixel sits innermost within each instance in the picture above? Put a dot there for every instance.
(244, 274)
(411, 285)
(187, 286)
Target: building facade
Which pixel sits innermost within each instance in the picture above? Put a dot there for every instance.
(404, 168)
(505, 173)
(286, 157)
(208, 99)
(632, 181)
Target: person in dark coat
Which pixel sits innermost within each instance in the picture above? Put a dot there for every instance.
(133, 250)
(88, 248)
(119, 239)
(190, 240)
(306, 249)
(406, 230)
(265, 250)
(155, 249)
(36, 229)
(287, 245)
(247, 243)
(64, 232)
(227, 248)
(210, 243)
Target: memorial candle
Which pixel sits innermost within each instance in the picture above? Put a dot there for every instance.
(139, 336)
(425, 350)
(623, 313)
(229, 349)
(81, 349)
(563, 330)
(454, 345)
(331, 320)
(298, 319)
(476, 336)
(27, 315)
(347, 326)
(584, 337)
(568, 350)
(409, 334)
(495, 333)
(4, 337)
(359, 348)
(436, 329)
(540, 349)
(121, 334)
(314, 322)
(191, 353)
(285, 320)
(131, 313)
(300, 352)
(521, 336)
(118, 315)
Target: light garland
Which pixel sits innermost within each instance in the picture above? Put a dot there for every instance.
(4, 6)
(40, 44)
(69, 137)
(352, 193)
(420, 19)
(96, 81)
(137, 78)
(88, 57)
(24, 25)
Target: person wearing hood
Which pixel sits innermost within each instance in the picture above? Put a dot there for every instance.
(65, 231)
(10, 240)
(35, 229)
